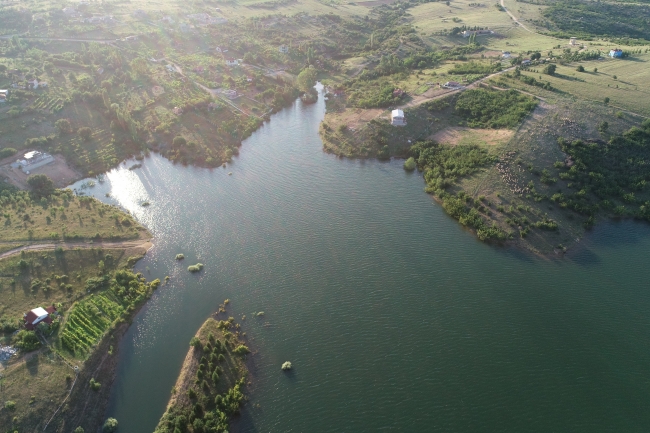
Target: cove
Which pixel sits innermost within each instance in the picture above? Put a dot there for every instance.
(392, 315)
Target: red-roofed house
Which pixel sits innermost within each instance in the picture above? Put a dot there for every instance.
(38, 315)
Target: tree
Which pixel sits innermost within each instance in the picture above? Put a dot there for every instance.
(603, 126)
(580, 68)
(536, 56)
(179, 141)
(85, 133)
(606, 100)
(41, 184)
(595, 70)
(79, 430)
(550, 69)
(63, 126)
(110, 426)
(306, 79)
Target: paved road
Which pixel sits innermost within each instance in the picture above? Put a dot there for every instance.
(71, 245)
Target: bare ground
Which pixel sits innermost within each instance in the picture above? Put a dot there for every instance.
(459, 134)
(59, 171)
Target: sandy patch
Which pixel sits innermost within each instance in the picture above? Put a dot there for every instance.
(374, 3)
(59, 171)
(463, 135)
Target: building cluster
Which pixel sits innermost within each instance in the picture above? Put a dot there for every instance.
(31, 160)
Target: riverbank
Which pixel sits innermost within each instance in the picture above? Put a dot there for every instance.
(209, 390)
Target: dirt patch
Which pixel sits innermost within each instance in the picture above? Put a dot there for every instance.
(463, 135)
(59, 171)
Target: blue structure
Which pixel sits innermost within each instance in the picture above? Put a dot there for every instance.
(616, 53)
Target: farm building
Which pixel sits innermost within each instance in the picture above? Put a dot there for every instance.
(397, 118)
(452, 85)
(232, 62)
(616, 53)
(32, 160)
(468, 33)
(38, 315)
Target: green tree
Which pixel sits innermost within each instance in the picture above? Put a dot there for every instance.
(603, 126)
(306, 79)
(63, 126)
(41, 184)
(550, 69)
(110, 426)
(179, 141)
(85, 133)
(580, 68)
(606, 100)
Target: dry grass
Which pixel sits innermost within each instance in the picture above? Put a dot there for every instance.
(462, 135)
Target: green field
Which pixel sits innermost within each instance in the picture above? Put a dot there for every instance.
(629, 91)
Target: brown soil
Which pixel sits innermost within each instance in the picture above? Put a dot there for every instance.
(59, 171)
(455, 134)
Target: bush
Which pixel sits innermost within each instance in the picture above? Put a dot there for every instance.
(27, 340)
(241, 350)
(180, 256)
(94, 385)
(110, 425)
(409, 164)
(580, 68)
(494, 109)
(41, 185)
(78, 430)
(10, 405)
(179, 141)
(550, 69)
(85, 133)
(7, 152)
(63, 126)
(287, 366)
(195, 268)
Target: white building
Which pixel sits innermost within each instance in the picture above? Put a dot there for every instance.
(284, 49)
(397, 118)
(32, 160)
(573, 41)
(232, 62)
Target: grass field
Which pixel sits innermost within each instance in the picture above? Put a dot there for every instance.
(65, 217)
(630, 90)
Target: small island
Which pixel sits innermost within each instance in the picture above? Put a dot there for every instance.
(209, 389)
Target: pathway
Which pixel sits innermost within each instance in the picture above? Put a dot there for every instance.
(515, 18)
(71, 245)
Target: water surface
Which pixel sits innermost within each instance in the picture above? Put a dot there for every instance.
(393, 316)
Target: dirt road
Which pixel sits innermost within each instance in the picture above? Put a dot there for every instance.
(515, 18)
(146, 244)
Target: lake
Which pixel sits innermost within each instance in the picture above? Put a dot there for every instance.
(394, 317)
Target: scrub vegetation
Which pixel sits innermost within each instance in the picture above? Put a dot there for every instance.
(209, 389)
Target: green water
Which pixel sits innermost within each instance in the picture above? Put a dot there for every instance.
(393, 316)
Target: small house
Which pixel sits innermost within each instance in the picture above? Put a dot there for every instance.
(616, 53)
(468, 33)
(38, 315)
(232, 62)
(249, 79)
(526, 62)
(283, 49)
(573, 42)
(452, 85)
(397, 118)
(506, 54)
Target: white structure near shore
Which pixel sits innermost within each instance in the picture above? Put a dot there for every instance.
(31, 160)
(397, 118)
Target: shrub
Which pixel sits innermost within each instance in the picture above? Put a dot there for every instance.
(195, 268)
(78, 430)
(179, 141)
(41, 185)
(6, 152)
(287, 366)
(195, 342)
(10, 405)
(550, 69)
(180, 256)
(241, 350)
(94, 385)
(110, 425)
(409, 164)
(580, 68)
(85, 133)
(63, 126)
(493, 109)
(27, 340)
